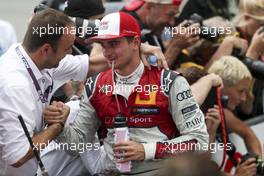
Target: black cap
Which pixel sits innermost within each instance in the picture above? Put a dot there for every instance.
(84, 8)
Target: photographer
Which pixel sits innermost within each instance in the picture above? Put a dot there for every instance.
(233, 124)
(250, 26)
(236, 78)
(211, 31)
(246, 37)
(153, 16)
(249, 23)
(249, 36)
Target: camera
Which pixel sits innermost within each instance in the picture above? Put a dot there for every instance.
(259, 162)
(211, 100)
(206, 32)
(256, 67)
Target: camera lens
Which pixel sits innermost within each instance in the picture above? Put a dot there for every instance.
(259, 162)
(260, 167)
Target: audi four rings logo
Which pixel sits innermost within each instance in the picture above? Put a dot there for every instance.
(184, 95)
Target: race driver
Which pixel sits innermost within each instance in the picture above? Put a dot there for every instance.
(162, 115)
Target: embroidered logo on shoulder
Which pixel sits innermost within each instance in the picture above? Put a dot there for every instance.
(168, 81)
(184, 95)
(89, 83)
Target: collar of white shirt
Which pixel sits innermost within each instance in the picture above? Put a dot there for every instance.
(32, 65)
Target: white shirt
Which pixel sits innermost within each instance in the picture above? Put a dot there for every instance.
(18, 95)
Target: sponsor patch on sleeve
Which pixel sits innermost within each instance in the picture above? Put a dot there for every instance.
(184, 95)
(195, 122)
(188, 112)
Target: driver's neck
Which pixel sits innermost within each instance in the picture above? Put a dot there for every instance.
(130, 68)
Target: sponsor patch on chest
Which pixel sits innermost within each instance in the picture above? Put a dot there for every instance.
(135, 110)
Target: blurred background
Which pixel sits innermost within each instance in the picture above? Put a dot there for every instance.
(17, 12)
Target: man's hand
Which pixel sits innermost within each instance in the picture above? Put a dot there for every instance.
(129, 151)
(227, 46)
(57, 112)
(239, 43)
(230, 42)
(212, 118)
(247, 168)
(216, 80)
(147, 50)
(255, 49)
(185, 36)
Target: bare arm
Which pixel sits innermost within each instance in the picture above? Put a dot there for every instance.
(171, 53)
(240, 128)
(182, 37)
(255, 49)
(212, 118)
(40, 140)
(97, 63)
(226, 48)
(202, 87)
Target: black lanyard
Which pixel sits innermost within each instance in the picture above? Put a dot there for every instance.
(43, 97)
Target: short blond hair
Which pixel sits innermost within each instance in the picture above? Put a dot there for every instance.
(230, 69)
(253, 8)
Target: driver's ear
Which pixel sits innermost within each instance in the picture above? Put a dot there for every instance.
(137, 42)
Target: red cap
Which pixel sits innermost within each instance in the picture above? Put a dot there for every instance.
(117, 25)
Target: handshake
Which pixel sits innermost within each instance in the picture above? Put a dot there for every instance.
(56, 113)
